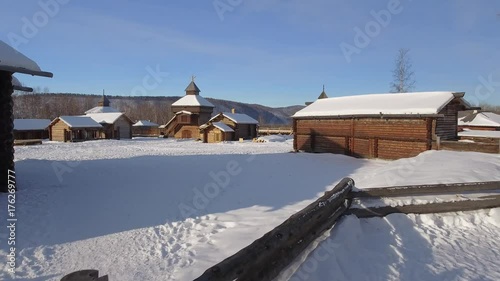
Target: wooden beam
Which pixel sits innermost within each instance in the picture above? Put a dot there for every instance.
(486, 202)
(429, 189)
(267, 256)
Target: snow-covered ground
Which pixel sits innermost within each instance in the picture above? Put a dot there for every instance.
(161, 209)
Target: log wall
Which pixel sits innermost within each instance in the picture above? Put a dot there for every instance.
(6, 128)
(447, 127)
(364, 137)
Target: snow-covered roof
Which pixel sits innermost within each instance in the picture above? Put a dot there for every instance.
(223, 127)
(238, 118)
(31, 124)
(480, 119)
(480, 134)
(13, 61)
(421, 103)
(184, 112)
(105, 118)
(80, 122)
(145, 123)
(102, 109)
(193, 100)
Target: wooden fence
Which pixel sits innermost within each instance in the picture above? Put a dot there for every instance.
(267, 256)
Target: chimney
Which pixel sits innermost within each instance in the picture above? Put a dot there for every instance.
(233, 111)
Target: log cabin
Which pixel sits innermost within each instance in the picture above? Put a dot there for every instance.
(387, 126)
(74, 129)
(116, 125)
(145, 128)
(11, 61)
(213, 132)
(190, 112)
(29, 129)
(244, 126)
(476, 120)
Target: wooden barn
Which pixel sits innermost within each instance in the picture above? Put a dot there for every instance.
(388, 126)
(74, 129)
(29, 129)
(116, 125)
(244, 126)
(476, 120)
(213, 132)
(190, 112)
(145, 128)
(11, 61)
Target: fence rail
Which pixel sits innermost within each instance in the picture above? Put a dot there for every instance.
(425, 189)
(266, 257)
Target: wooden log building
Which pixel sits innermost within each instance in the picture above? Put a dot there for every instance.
(116, 125)
(29, 129)
(476, 120)
(11, 61)
(243, 126)
(387, 126)
(213, 132)
(190, 112)
(145, 128)
(74, 129)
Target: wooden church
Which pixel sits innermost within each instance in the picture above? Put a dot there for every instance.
(190, 112)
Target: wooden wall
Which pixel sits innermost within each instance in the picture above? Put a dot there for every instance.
(6, 129)
(447, 127)
(57, 131)
(125, 127)
(140, 131)
(213, 135)
(364, 137)
(187, 131)
(30, 135)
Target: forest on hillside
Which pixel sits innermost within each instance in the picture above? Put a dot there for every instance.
(156, 109)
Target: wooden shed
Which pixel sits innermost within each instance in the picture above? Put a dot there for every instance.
(74, 128)
(145, 128)
(244, 126)
(388, 126)
(216, 132)
(116, 125)
(476, 120)
(29, 129)
(11, 61)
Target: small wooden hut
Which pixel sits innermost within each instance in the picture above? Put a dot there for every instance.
(213, 132)
(145, 128)
(74, 129)
(244, 126)
(388, 126)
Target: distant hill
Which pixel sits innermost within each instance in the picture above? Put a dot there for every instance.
(156, 109)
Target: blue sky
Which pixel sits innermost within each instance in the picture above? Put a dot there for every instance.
(271, 52)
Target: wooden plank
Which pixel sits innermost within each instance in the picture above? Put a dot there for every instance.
(398, 191)
(265, 256)
(487, 202)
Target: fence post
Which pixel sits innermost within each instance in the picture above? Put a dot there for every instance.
(438, 142)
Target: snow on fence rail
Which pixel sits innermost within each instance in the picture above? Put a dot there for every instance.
(266, 257)
(425, 189)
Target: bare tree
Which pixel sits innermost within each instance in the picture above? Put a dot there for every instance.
(403, 75)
